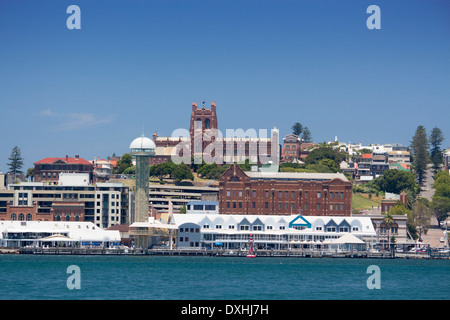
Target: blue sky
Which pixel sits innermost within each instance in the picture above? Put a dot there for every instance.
(138, 64)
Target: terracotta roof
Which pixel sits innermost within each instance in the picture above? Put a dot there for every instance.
(120, 227)
(366, 155)
(65, 159)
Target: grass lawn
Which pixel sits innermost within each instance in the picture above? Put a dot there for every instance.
(361, 201)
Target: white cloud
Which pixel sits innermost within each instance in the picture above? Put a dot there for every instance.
(47, 112)
(75, 121)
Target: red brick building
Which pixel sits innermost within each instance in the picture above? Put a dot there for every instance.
(291, 148)
(60, 211)
(284, 193)
(48, 169)
(294, 148)
(67, 211)
(24, 213)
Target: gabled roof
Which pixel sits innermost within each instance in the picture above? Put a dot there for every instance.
(68, 160)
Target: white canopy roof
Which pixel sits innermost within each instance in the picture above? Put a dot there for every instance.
(56, 237)
(349, 239)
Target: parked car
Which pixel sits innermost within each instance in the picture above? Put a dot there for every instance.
(417, 249)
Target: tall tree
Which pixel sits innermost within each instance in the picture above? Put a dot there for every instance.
(441, 198)
(297, 129)
(182, 172)
(30, 174)
(123, 163)
(421, 215)
(324, 151)
(419, 149)
(306, 136)
(16, 161)
(436, 139)
(395, 181)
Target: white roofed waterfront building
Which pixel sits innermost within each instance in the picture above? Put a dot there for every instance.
(55, 233)
(278, 232)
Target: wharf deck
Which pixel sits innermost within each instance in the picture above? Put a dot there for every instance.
(217, 253)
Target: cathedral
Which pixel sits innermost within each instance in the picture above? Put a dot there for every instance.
(205, 141)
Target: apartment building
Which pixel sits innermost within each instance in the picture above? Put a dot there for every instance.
(104, 204)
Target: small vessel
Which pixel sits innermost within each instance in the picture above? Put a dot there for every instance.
(251, 252)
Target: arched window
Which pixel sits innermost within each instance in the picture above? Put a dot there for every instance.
(58, 217)
(67, 217)
(77, 217)
(29, 217)
(13, 217)
(207, 124)
(198, 123)
(21, 217)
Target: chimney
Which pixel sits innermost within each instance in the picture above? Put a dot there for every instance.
(77, 157)
(67, 158)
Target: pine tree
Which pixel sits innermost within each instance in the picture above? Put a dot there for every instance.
(436, 139)
(306, 136)
(297, 129)
(419, 150)
(16, 161)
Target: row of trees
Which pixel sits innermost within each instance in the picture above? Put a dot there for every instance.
(426, 150)
(323, 158)
(302, 132)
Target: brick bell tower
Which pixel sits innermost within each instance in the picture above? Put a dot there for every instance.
(202, 119)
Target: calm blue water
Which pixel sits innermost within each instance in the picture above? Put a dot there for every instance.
(218, 278)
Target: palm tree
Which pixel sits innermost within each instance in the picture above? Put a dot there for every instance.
(388, 221)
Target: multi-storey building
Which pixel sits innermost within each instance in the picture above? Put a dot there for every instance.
(160, 195)
(104, 204)
(291, 148)
(48, 169)
(284, 193)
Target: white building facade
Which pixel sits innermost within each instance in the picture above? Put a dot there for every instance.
(268, 231)
(55, 233)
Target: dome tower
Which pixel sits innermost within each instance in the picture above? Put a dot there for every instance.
(142, 149)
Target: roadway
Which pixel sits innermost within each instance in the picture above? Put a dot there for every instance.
(435, 233)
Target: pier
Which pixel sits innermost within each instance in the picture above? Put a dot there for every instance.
(161, 251)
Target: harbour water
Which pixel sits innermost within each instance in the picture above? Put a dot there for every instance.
(32, 277)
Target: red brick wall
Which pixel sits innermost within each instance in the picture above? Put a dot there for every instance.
(269, 197)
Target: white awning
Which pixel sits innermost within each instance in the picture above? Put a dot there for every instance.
(349, 239)
(56, 237)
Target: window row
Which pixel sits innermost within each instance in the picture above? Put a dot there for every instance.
(191, 230)
(284, 205)
(285, 194)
